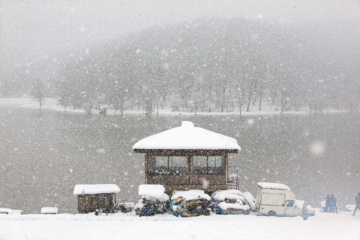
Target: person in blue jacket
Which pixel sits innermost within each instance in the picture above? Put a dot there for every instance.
(333, 204)
(327, 207)
(305, 212)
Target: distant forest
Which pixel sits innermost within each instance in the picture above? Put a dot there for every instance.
(212, 65)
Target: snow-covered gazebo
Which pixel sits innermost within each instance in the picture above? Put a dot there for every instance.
(187, 157)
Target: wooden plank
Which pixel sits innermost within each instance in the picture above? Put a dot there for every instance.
(146, 168)
(186, 179)
(226, 168)
(185, 152)
(210, 188)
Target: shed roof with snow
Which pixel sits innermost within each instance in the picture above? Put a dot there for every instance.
(187, 137)
(82, 189)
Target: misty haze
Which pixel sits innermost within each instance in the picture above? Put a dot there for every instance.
(82, 81)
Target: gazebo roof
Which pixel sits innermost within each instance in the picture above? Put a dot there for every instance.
(187, 138)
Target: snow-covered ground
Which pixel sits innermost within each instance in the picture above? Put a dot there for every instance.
(52, 104)
(128, 226)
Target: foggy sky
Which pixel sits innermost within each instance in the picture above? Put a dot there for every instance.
(33, 30)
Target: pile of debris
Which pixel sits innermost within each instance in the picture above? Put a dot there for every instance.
(153, 201)
(232, 202)
(190, 203)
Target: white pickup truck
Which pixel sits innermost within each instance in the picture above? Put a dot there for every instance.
(275, 199)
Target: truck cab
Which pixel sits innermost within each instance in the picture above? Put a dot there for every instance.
(275, 199)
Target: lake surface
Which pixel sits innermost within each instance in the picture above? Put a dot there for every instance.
(43, 155)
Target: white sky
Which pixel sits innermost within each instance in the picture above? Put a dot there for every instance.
(34, 29)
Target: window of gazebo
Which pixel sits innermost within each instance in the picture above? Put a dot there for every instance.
(168, 164)
(211, 164)
(179, 165)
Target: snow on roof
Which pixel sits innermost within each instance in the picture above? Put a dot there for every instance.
(95, 189)
(151, 189)
(49, 210)
(187, 137)
(249, 198)
(155, 191)
(229, 194)
(5, 210)
(190, 195)
(226, 206)
(268, 185)
(16, 212)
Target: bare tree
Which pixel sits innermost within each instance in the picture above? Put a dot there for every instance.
(38, 92)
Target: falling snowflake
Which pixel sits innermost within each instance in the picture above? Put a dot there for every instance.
(250, 121)
(100, 150)
(205, 183)
(317, 148)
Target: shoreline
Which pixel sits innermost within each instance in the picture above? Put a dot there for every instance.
(51, 104)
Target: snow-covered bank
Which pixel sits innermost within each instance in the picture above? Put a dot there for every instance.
(127, 226)
(52, 104)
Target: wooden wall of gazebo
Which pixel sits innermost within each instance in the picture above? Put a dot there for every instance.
(202, 176)
(92, 202)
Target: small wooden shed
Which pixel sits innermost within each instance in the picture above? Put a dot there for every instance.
(96, 196)
(187, 157)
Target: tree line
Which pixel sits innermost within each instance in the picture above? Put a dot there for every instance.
(214, 65)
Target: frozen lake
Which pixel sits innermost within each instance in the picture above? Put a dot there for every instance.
(43, 155)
